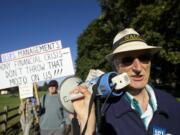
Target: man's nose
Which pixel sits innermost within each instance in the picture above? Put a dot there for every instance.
(136, 65)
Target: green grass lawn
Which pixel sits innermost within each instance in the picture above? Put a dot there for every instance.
(9, 100)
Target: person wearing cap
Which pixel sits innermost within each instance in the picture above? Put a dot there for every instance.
(142, 109)
(54, 119)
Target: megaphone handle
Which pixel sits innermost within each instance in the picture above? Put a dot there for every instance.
(76, 96)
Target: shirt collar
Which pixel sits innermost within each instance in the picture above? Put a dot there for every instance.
(134, 103)
(152, 97)
(125, 106)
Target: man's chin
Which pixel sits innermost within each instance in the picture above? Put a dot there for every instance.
(137, 86)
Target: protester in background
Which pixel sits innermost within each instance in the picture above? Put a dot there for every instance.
(28, 114)
(54, 119)
(142, 109)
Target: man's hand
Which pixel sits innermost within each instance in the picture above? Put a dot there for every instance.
(81, 107)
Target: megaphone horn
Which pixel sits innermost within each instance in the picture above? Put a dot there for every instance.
(65, 89)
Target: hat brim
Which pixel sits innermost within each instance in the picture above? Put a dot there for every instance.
(133, 46)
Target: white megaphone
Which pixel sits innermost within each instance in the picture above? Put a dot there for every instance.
(108, 83)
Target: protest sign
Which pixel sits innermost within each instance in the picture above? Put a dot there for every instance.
(25, 91)
(34, 68)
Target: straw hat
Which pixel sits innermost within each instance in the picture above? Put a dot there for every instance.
(129, 40)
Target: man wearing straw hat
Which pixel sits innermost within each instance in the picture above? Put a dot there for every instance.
(142, 109)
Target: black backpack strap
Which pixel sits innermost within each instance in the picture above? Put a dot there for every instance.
(43, 101)
(62, 112)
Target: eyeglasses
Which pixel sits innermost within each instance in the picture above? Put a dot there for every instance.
(144, 58)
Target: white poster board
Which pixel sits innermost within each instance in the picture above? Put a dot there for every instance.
(43, 66)
(25, 91)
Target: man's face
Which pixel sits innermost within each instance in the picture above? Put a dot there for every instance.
(52, 90)
(137, 65)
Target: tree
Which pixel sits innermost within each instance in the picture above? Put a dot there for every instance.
(44, 87)
(158, 21)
